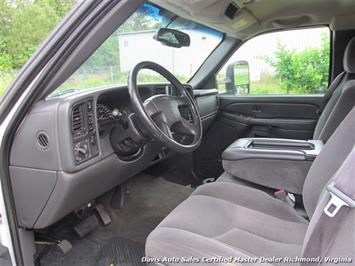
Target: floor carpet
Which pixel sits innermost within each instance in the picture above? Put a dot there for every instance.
(148, 200)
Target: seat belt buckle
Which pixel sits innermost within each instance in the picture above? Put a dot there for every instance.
(285, 196)
(338, 199)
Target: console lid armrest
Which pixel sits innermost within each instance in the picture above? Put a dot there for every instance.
(275, 163)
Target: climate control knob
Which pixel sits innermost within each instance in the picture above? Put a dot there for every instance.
(81, 150)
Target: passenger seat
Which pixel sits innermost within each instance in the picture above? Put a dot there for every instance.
(340, 97)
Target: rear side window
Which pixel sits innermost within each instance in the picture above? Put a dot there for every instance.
(286, 62)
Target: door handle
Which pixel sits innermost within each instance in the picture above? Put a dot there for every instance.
(256, 109)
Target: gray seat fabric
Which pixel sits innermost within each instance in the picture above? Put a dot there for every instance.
(342, 100)
(228, 219)
(328, 162)
(228, 216)
(228, 177)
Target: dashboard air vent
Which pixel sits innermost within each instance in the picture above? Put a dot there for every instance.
(160, 90)
(42, 141)
(78, 121)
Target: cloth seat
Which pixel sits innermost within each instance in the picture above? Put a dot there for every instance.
(228, 177)
(340, 97)
(225, 219)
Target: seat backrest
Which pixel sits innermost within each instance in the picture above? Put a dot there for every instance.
(342, 100)
(328, 162)
(334, 236)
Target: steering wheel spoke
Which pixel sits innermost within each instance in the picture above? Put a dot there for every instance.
(161, 121)
(185, 127)
(150, 107)
(166, 129)
(181, 100)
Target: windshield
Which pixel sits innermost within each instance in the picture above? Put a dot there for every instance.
(133, 42)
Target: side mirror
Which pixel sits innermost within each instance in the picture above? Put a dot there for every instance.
(238, 78)
(172, 38)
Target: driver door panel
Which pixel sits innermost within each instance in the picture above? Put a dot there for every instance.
(272, 116)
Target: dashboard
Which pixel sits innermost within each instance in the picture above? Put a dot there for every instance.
(72, 148)
(115, 121)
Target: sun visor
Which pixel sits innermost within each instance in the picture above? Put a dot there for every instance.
(243, 20)
(345, 22)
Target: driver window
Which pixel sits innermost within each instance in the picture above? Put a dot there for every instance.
(286, 62)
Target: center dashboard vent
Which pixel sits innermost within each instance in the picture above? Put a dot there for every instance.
(161, 90)
(77, 121)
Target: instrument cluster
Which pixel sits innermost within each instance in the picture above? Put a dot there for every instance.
(106, 114)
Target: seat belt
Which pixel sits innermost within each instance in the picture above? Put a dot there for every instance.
(338, 202)
(330, 92)
(285, 196)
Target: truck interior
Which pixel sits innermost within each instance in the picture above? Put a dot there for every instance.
(195, 167)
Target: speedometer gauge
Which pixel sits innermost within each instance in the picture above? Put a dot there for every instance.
(103, 113)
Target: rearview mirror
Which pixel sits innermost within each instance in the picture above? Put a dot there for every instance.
(172, 38)
(238, 78)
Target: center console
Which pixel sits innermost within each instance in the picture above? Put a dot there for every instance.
(274, 163)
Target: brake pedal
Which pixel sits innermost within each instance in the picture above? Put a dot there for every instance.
(86, 226)
(103, 214)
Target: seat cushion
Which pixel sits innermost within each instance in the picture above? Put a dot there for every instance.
(227, 177)
(224, 219)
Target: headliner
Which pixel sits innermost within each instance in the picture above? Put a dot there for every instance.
(257, 16)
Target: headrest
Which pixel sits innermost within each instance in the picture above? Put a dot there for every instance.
(349, 57)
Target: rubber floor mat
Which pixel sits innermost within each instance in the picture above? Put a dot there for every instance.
(121, 252)
(84, 253)
(87, 252)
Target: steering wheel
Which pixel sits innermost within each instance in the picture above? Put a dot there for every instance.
(173, 120)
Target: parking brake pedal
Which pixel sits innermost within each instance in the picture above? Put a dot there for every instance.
(64, 245)
(86, 226)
